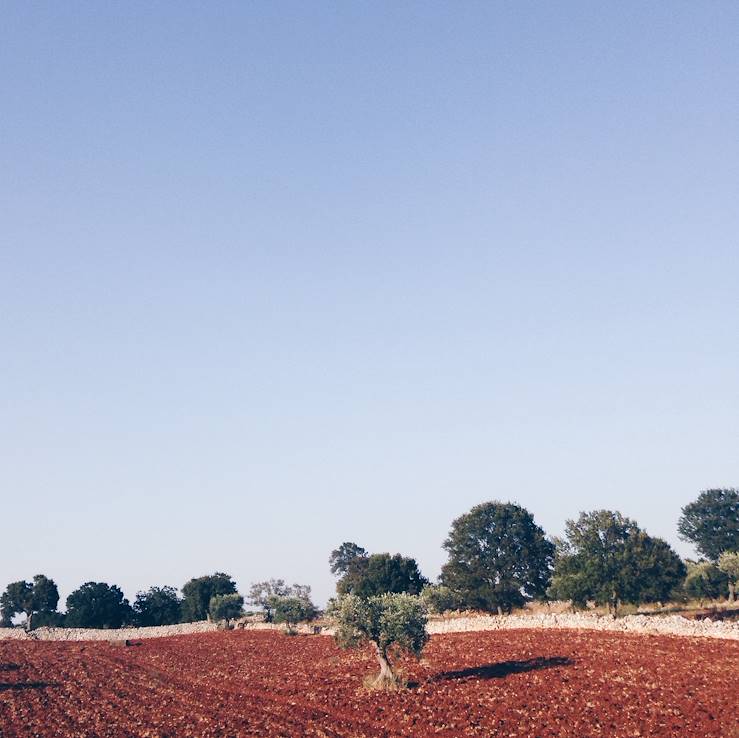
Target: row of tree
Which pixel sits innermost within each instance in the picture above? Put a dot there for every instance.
(102, 605)
(498, 558)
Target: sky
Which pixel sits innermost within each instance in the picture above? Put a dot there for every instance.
(278, 275)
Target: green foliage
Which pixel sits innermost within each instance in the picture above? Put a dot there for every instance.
(438, 598)
(157, 606)
(226, 607)
(704, 581)
(608, 559)
(728, 563)
(711, 523)
(381, 573)
(269, 593)
(498, 558)
(293, 610)
(652, 570)
(198, 592)
(390, 622)
(341, 558)
(31, 598)
(97, 605)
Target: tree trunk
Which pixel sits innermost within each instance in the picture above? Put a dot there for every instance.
(385, 678)
(29, 616)
(500, 611)
(732, 592)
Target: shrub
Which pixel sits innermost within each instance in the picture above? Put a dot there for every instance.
(226, 607)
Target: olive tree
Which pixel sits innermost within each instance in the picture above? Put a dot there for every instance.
(704, 581)
(293, 610)
(390, 623)
(268, 593)
(226, 606)
(728, 563)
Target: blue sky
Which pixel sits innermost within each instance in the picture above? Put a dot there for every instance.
(278, 275)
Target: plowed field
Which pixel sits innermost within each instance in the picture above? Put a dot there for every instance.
(507, 683)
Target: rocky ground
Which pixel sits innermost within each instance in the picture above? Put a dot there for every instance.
(654, 624)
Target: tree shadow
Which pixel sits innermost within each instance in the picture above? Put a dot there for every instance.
(26, 685)
(10, 667)
(503, 669)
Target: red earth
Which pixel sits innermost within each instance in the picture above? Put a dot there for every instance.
(241, 683)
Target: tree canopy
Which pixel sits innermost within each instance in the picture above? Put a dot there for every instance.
(198, 592)
(498, 558)
(97, 605)
(157, 606)
(608, 559)
(711, 523)
(342, 557)
(269, 593)
(381, 573)
(37, 600)
(293, 610)
(226, 607)
(390, 622)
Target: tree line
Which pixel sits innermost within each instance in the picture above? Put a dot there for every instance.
(101, 605)
(498, 559)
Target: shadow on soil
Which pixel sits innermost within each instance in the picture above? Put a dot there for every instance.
(503, 669)
(26, 685)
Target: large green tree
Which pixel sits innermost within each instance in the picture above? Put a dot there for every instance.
(498, 558)
(711, 523)
(391, 623)
(198, 592)
(157, 606)
(606, 558)
(37, 600)
(381, 573)
(97, 605)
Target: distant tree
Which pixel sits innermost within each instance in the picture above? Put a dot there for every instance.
(390, 623)
(438, 598)
(652, 571)
(16, 599)
(226, 607)
(711, 523)
(498, 558)
(37, 599)
(293, 610)
(728, 563)
(343, 556)
(157, 606)
(97, 605)
(263, 594)
(381, 573)
(198, 591)
(704, 581)
(606, 558)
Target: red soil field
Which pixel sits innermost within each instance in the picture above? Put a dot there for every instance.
(240, 683)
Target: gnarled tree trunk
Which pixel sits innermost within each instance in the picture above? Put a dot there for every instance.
(386, 678)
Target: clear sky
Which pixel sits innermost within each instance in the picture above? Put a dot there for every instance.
(278, 275)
